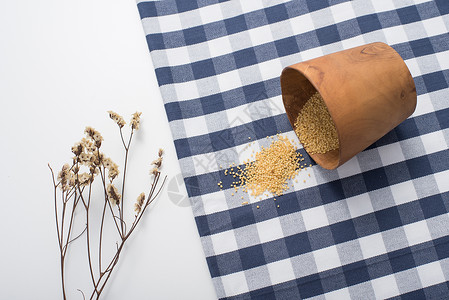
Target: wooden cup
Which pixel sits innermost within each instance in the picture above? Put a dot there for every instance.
(368, 91)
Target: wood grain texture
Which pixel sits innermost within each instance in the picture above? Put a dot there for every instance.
(368, 91)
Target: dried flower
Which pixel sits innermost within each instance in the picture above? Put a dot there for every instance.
(98, 158)
(157, 162)
(113, 194)
(86, 158)
(107, 162)
(155, 171)
(77, 148)
(112, 168)
(88, 145)
(71, 180)
(93, 170)
(94, 135)
(88, 162)
(113, 172)
(85, 179)
(139, 202)
(63, 176)
(135, 120)
(63, 173)
(117, 118)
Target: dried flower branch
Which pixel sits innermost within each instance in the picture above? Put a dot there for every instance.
(117, 118)
(135, 121)
(113, 194)
(94, 135)
(73, 185)
(139, 202)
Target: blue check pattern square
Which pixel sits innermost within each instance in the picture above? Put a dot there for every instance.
(376, 227)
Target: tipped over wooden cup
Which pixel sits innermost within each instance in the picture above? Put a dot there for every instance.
(368, 90)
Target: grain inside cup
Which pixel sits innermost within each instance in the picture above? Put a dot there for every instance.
(315, 128)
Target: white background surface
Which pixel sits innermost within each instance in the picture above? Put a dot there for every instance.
(63, 64)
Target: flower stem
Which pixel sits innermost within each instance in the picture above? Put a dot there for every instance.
(124, 179)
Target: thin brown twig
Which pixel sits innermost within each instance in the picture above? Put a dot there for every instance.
(72, 215)
(84, 298)
(103, 179)
(124, 175)
(122, 221)
(62, 217)
(58, 233)
(101, 235)
(87, 207)
(75, 238)
(56, 203)
(102, 221)
(122, 138)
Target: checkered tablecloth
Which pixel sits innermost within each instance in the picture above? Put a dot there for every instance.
(376, 227)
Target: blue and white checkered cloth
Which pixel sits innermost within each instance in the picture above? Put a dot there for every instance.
(376, 227)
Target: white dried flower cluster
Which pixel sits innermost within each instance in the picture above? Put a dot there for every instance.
(68, 177)
(97, 159)
(117, 118)
(77, 148)
(84, 178)
(112, 168)
(113, 194)
(135, 120)
(94, 135)
(157, 163)
(87, 153)
(139, 203)
(86, 159)
(88, 145)
(64, 177)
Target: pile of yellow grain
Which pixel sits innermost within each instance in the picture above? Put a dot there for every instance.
(315, 127)
(270, 171)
